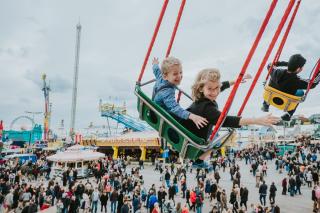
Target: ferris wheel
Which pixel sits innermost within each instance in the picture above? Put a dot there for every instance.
(23, 117)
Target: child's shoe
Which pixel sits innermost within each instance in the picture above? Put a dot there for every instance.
(265, 108)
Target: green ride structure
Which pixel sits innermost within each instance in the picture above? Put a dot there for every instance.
(181, 140)
(21, 137)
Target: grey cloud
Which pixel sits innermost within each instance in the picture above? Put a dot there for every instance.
(309, 48)
(32, 20)
(15, 52)
(59, 84)
(56, 82)
(36, 25)
(24, 100)
(34, 77)
(249, 27)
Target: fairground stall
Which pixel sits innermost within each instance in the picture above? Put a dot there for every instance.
(75, 159)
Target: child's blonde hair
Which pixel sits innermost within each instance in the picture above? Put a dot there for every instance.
(205, 75)
(169, 62)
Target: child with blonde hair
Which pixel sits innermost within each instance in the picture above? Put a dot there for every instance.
(205, 91)
(167, 78)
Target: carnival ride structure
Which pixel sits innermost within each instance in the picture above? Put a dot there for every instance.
(47, 108)
(23, 135)
(119, 114)
(75, 83)
(184, 141)
(1, 131)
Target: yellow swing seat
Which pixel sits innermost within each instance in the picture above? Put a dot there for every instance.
(280, 100)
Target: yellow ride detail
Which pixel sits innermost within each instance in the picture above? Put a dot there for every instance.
(281, 100)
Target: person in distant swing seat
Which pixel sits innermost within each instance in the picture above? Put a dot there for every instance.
(288, 81)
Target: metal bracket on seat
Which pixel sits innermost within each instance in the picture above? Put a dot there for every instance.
(287, 105)
(140, 109)
(161, 127)
(270, 96)
(184, 148)
(225, 137)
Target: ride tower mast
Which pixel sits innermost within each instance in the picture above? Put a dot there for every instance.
(47, 108)
(75, 83)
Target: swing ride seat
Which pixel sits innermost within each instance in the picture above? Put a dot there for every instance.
(281, 100)
(186, 143)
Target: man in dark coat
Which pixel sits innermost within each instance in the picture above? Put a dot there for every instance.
(213, 191)
(161, 197)
(104, 200)
(284, 186)
(272, 191)
(244, 196)
(298, 184)
(292, 185)
(263, 193)
(172, 192)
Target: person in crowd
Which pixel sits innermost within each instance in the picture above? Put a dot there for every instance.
(125, 208)
(284, 186)
(272, 193)
(233, 200)
(161, 197)
(244, 196)
(104, 201)
(114, 200)
(263, 193)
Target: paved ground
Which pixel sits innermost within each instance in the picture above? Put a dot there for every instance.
(299, 203)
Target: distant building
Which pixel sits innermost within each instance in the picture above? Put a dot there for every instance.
(24, 136)
(267, 133)
(315, 119)
(138, 145)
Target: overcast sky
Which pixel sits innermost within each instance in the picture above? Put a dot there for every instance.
(38, 36)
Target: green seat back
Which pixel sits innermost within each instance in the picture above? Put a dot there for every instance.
(173, 137)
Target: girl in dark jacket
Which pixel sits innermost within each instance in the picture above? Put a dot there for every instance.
(205, 91)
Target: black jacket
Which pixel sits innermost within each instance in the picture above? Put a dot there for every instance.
(233, 198)
(209, 110)
(288, 82)
(172, 191)
(161, 196)
(263, 189)
(273, 190)
(104, 198)
(244, 194)
(213, 188)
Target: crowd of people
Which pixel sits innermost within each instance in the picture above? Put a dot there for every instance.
(118, 188)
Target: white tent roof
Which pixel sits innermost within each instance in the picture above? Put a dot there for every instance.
(76, 147)
(74, 156)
